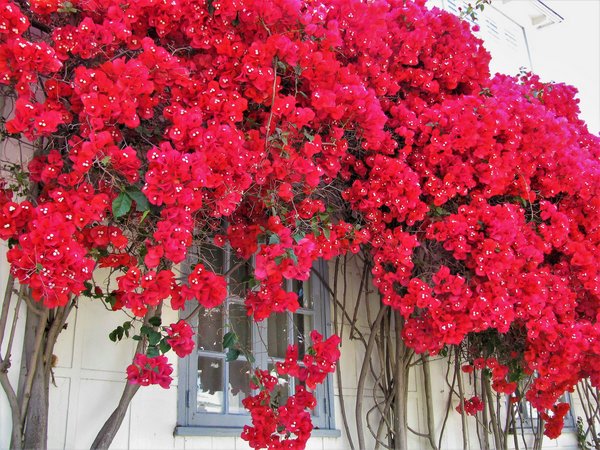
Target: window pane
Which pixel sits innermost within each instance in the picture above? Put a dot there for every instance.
(278, 335)
(303, 325)
(213, 258)
(239, 277)
(281, 392)
(239, 385)
(210, 385)
(240, 322)
(302, 288)
(210, 329)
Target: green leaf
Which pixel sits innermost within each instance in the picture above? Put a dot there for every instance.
(274, 239)
(146, 329)
(437, 211)
(229, 340)
(154, 337)
(308, 136)
(293, 256)
(121, 205)
(327, 232)
(144, 215)
(253, 282)
(137, 337)
(127, 325)
(155, 321)
(164, 346)
(152, 351)
(111, 300)
(141, 202)
(232, 354)
(281, 65)
(116, 334)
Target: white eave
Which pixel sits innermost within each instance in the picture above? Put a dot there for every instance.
(536, 13)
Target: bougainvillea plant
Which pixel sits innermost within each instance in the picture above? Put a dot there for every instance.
(294, 130)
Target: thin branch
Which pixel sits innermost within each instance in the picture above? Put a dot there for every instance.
(461, 394)
(338, 372)
(362, 379)
(10, 283)
(484, 413)
(268, 131)
(13, 328)
(428, 401)
(383, 412)
(16, 436)
(449, 403)
(353, 325)
(493, 417)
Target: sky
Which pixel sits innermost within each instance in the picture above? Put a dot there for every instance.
(570, 52)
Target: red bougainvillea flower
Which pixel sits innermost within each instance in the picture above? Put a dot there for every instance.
(181, 338)
(146, 371)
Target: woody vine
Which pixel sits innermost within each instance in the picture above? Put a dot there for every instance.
(291, 131)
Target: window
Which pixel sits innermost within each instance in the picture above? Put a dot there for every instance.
(211, 388)
(527, 419)
(504, 38)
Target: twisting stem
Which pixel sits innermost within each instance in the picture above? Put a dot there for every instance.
(272, 103)
(16, 434)
(363, 377)
(338, 329)
(400, 385)
(13, 328)
(428, 401)
(493, 417)
(449, 403)
(484, 413)
(461, 394)
(10, 284)
(13, 402)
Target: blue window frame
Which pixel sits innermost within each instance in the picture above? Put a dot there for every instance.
(211, 389)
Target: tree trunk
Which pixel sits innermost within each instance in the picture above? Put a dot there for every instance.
(109, 430)
(34, 382)
(36, 418)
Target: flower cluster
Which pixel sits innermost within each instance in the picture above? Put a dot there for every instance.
(181, 338)
(316, 363)
(471, 406)
(146, 371)
(286, 426)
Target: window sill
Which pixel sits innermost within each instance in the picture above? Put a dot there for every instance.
(235, 432)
